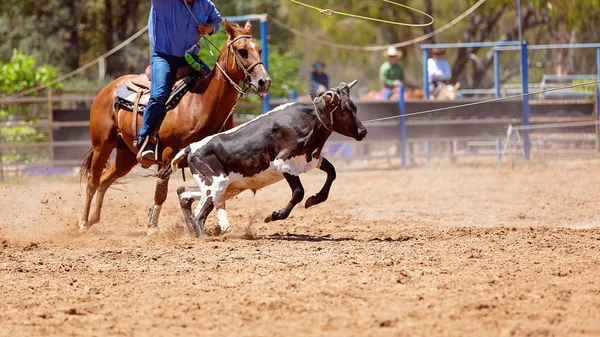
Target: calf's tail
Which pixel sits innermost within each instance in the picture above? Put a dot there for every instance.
(180, 155)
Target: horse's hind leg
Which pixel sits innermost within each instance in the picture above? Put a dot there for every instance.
(99, 157)
(124, 162)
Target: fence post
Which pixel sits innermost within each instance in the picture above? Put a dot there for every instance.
(293, 95)
(402, 108)
(525, 83)
(425, 75)
(265, 58)
(496, 73)
(598, 98)
(499, 151)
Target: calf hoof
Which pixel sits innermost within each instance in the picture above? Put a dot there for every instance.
(278, 215)
(313, 200)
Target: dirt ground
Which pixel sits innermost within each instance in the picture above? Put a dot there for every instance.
(433, 251)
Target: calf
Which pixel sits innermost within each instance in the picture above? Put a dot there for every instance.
(278, 145)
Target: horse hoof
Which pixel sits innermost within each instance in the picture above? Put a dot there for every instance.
(154, 230)
(83, 226)
(225, 230)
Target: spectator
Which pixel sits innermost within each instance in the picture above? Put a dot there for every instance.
(319, 82)
(438, 69)
(391, 72)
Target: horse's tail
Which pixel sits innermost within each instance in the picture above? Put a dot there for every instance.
(178, 157)
(86, 165)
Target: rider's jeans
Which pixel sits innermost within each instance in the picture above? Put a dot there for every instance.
(162, 76)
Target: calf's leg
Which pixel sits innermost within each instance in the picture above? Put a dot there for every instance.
(324, 192)
(297, 196)
(187, 195)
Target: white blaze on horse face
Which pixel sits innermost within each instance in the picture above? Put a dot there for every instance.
(252, 45)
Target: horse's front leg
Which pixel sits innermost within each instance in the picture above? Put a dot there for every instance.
(160, 194)
(297, 196)
(318, 198)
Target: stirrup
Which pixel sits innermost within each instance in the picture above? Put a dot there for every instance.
(147, 162)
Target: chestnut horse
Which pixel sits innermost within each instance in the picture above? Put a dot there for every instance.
(203, 111)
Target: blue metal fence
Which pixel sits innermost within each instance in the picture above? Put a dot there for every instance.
(498, 47)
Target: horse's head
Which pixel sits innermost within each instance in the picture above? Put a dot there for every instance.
(246, 63)
(336, 111)
(448, 91)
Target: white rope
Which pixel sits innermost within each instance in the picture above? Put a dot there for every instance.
(480, 102)
(80, 69)
(382, 47)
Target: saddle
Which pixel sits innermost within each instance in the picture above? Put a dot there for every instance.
(134, 94)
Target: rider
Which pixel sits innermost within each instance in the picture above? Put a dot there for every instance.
(391, 72)
(172, 30)
(319, 81)
(438, 69)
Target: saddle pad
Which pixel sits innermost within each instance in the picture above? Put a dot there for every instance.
(126, 95)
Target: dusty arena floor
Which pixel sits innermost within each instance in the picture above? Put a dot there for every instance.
(433, 251)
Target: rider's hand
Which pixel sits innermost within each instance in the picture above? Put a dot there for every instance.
(205, 29)
(321, 88)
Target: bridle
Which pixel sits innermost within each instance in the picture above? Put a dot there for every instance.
(238, 62)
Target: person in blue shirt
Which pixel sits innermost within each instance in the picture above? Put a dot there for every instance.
(174, 26)
(319, 82)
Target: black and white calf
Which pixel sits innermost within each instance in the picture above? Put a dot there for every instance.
(278, 145)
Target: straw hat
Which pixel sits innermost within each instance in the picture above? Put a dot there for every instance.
(392, 51)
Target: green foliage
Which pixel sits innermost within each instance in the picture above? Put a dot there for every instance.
(20, 73)
(585, 88)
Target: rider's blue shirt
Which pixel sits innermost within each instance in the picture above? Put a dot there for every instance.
(173, 30)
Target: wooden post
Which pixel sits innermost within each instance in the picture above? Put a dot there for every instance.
(597, 118)
(1, 161)
(51, 127)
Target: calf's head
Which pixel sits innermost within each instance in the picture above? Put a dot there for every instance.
(337, 112)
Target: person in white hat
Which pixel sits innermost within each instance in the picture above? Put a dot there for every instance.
(391, 72)
(438, 69)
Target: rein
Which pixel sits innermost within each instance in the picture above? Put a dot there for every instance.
(248, 84)
(238, 62)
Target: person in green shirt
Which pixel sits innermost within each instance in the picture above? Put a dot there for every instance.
(391, 72)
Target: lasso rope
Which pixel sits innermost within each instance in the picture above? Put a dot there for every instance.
(331, 12)
(480, 102)
(382, 47)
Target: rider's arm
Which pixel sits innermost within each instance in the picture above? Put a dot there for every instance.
(214, 17)
(314, 85)
(384, 75)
